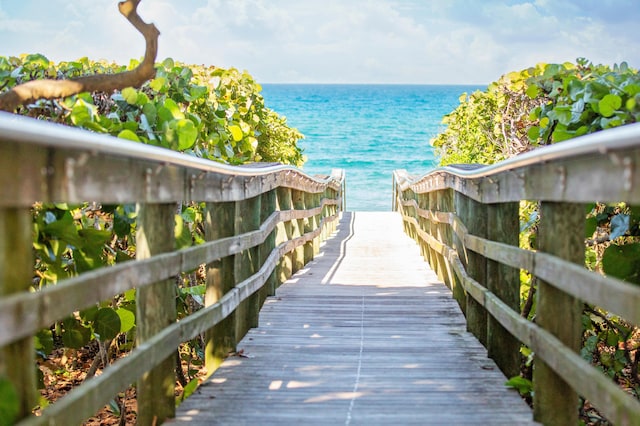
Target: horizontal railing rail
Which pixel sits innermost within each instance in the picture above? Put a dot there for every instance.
(465, 219)
(262, 223)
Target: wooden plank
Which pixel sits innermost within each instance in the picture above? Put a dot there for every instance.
(284, 233)
(246, 263)
(359, 336)
(221, 339)
(155, 310)
(555, 402)
(16, 271)
(504, 281)
(476, 219)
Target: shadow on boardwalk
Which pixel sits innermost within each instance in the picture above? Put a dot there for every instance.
(364, 335)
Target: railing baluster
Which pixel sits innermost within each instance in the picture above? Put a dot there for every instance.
(155, 310)
(16, 272)
(476, 221)
(504, 227)
(267, 207)
(247, 218)
(297, 200)
(284, 233)
(561, 233)
(221, 339)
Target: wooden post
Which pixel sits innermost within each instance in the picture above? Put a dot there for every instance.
(561, 233)
(434, 230)
(313, 201)
(246, 263)
(309, 250)
(155, 310)
(504, 281)
(476, 222)
(460, 203)
(423, 203)
(267, 207)
(446, 205)
(17, 361)
(284, 233)
(445, 201)
(221, 339)
(297, 199)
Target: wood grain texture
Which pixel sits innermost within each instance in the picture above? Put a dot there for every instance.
(364, 334)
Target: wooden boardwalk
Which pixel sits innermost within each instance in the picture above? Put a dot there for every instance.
(364, 335)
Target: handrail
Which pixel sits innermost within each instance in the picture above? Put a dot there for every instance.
(612, 140)
(465, 220)
(263, 223)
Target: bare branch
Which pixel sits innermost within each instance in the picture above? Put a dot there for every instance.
(53, 89)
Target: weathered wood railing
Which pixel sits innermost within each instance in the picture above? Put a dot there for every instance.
(262, 224)
(465, 220)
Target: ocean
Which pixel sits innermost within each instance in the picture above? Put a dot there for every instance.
(368, 130)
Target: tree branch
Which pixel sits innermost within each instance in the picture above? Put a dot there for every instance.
(54, 89)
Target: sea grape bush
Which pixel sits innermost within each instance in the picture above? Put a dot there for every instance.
(209, 112)
(548, 104)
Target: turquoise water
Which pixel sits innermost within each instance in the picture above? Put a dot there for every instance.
(368, 130)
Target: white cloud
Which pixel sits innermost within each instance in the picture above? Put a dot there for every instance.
(411, 41)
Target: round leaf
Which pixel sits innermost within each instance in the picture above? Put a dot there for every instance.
(107, 324)
(236, 133)
(130, 95)
(127, 319)
(187, 134)
(609, 104)
(128, 135)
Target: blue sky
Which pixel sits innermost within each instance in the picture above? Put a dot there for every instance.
(336, 41)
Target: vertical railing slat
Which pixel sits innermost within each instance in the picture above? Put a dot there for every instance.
(247, 263)
(221, 339)
(297, 200)
(561, 233)
(504, 281)
(476, 221)
(155, 310)
(16, 272)
(284, 232)
(267, 207)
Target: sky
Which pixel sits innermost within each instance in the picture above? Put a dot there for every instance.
(336, 41)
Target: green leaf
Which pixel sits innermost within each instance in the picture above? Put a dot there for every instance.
(130, 95)
(174, 109)
(128, 135)
(189, 214)
(623, 262)
(82, 112)
(75, 336)
(236, 132)
(182, 234)
(43, 341)
(187, 134)
(107, 324)
(150, 111)
(158, 84)
(64, 229)
(522, 385)
(9, 403)
(590, 227)
(533, 133)
(189, 389)
(609, 104)
(130, 295)
(127, 319)
(533, 91)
